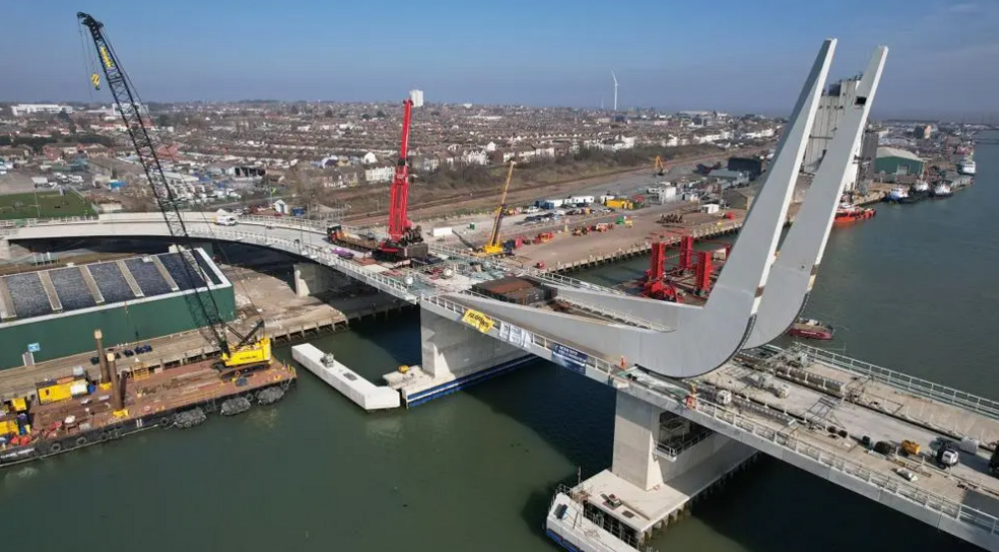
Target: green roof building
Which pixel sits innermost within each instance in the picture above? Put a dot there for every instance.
(896, 161)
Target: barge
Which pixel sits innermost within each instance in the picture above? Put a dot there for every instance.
(73, 412)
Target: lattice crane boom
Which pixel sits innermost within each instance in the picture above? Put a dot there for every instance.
(202, 303)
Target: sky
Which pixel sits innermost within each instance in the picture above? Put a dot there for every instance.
(729, 55)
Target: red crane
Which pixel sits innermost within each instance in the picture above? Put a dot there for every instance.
(405, 240)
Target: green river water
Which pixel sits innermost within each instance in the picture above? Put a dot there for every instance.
(913, 289)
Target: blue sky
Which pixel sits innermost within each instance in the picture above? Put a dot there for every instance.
(733, 55)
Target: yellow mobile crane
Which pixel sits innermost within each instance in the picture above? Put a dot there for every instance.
(249, 351)
(493, 246)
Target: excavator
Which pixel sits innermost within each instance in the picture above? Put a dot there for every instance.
(247, 351)
(494, 246)
(659, 168)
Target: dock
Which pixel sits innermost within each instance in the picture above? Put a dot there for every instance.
(176, 350)
(349, 383)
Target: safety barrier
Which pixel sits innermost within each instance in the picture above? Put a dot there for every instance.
(910, 384)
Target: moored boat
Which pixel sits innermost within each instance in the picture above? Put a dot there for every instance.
(942, 190)
(811, 329)
(966, 166)
(897, 194)
(847, 213)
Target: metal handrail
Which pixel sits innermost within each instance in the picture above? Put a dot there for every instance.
(911, 384)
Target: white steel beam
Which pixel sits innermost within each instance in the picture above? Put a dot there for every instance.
(701, 338)
(793, 273)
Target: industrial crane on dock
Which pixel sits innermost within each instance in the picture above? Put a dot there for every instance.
(248, 351)
(493, 246)
(405, 240)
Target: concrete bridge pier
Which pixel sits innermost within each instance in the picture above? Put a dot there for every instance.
(661, 462)
(311, 278)
(454, 355)
(5, 249)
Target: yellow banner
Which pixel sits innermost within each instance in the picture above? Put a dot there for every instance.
(478, 320)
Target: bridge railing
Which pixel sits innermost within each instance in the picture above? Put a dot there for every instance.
(911, 384)
(887, 482)
(779, 436)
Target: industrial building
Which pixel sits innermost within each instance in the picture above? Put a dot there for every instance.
(53, 313)
(868, 153)
(894, 161)
(832, 105)
(752, 166)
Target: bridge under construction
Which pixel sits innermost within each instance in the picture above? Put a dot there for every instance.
(699, 391)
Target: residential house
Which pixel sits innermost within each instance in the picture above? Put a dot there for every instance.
(379, 174)
(15, 153)
(475, 158)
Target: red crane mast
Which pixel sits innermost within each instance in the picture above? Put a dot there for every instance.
(403, 236)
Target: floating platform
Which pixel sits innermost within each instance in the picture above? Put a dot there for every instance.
(359, 390)
(176, 397)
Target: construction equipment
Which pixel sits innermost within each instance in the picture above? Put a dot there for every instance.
(405, 240)
(620, 204)
(248, 349)
(493, 246)
(660, 168)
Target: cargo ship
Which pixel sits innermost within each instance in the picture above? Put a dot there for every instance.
(74, 412)
(811, 329)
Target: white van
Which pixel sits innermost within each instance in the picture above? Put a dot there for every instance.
(225, 220)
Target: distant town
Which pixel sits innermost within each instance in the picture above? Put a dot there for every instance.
(326, 157)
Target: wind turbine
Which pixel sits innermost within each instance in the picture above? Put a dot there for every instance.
(613, 76)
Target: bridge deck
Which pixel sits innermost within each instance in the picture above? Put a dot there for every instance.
(816, 412)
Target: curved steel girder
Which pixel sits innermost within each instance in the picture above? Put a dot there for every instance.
(793, 273)
(704, 338)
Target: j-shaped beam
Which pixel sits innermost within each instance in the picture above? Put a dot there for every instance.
(701, 338)
(793, 273)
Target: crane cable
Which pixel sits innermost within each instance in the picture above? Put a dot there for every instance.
(89, 64)
(213, 237)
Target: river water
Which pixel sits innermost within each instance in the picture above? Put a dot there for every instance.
(911, 289)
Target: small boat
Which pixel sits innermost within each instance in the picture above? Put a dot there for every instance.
(850, 213)
(897, 194)
(917, 192)
(966, 166)
(942, 190)
(811, 329)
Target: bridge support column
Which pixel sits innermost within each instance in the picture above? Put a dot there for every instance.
(456, 349)
(653, 447)
(311, 279)
(636, 430)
